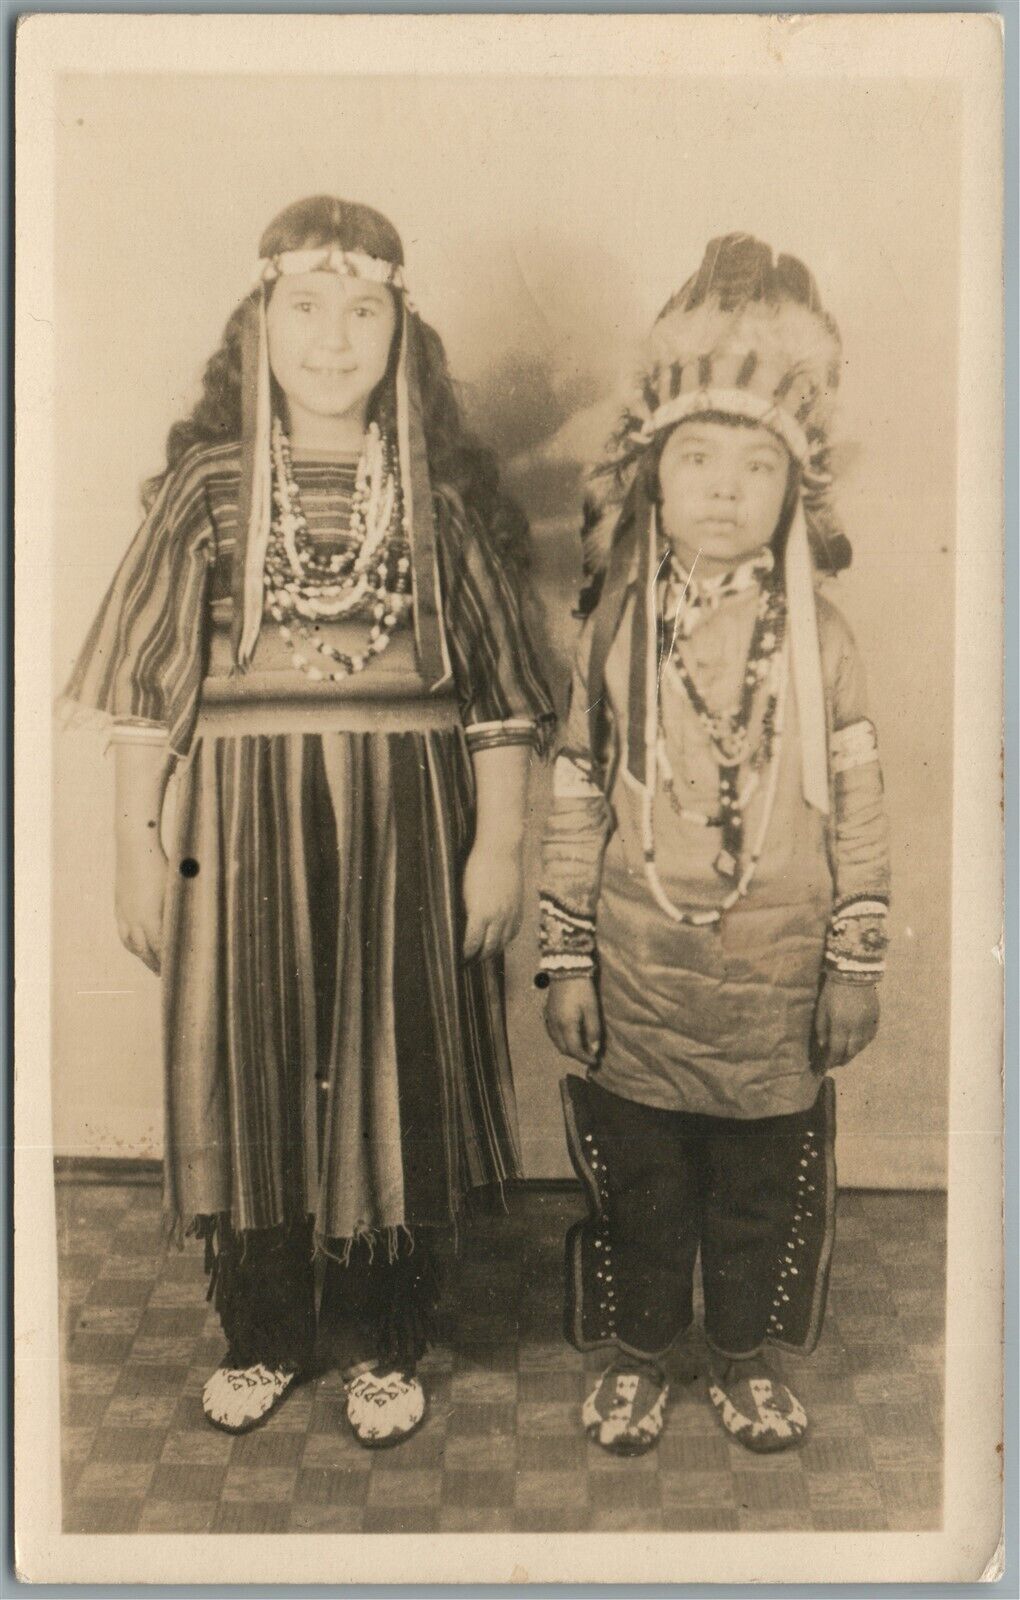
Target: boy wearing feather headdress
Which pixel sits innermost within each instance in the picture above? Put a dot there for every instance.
(715, 871)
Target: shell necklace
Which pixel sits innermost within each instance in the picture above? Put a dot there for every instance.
(375, 573)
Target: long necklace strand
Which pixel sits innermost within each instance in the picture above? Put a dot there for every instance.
(705, 918)
(375, 572)
(729, 733)
(760, 759)
(768, 656)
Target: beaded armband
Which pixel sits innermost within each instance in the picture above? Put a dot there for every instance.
(856, 942)
(566, 940)
(853, 746)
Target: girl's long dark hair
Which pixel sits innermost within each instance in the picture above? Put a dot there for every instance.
(463, 470)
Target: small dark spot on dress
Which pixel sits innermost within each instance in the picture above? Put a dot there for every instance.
(189, 867)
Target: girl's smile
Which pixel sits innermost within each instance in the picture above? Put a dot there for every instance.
(329, 346)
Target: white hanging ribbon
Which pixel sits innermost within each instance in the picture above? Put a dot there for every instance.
(806, 664)
(261, 513)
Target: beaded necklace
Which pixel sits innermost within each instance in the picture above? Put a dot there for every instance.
(760, 760)
(690, 600)
(768, 657)
(374, 572)
(729, 733)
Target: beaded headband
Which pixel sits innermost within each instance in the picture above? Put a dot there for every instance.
(734, 403)
(330, 258)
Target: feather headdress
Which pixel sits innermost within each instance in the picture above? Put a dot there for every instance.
(746, 336)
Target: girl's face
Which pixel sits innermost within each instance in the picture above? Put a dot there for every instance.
(329, 345)
(722, 492)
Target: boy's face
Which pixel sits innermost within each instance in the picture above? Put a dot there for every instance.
(329, 344)
(722, 491)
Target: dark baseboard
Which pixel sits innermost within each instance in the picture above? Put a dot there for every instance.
(137, 1170)
(147, 1171)
(142, 1171)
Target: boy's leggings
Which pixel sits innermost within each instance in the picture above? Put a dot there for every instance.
(757, 1198)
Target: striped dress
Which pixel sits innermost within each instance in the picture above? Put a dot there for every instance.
(328, 1052)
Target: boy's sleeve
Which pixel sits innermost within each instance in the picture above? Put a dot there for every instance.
(504, 698)
(856, 942)
(140, 669)
(573, 847)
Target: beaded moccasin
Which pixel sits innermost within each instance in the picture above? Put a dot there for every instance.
(625, 1412)
(238, 1399)
(756, 1407)
(383, 1408)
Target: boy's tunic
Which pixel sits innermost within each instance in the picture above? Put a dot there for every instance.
(715, 1019)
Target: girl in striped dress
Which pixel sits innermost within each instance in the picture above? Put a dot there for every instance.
(318, 629)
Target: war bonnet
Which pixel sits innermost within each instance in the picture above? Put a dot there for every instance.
(746, 336)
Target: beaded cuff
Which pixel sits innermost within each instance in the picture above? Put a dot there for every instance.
(566, 940)
(856, 942)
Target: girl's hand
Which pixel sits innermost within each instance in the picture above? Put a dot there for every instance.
(493, 896)
(846, 1020)
(573, 1018)
(139, 895)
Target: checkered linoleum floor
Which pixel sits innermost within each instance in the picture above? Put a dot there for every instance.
(501, 1449)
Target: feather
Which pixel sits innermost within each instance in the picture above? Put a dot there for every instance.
(597, 530)
(791, 342)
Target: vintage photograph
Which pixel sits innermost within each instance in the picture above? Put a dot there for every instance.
(503, 596)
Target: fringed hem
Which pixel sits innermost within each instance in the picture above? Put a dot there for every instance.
(172, 1230)
(341, 1250)
(262, 1288)
(256, 1277)
(485, 1200)
(211, 1227)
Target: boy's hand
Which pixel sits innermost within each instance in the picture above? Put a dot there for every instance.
(139, 895)
(493, 895)
(573, 1019)
(846, 1020)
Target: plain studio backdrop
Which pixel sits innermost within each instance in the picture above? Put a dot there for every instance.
(546, 221)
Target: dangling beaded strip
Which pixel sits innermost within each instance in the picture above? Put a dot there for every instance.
(376, 572)
(769, 622)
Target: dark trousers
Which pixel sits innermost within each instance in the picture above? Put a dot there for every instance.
(757, 1198)
(379, 1305)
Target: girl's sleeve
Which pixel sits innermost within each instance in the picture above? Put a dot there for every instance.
(856, 943)
(504, 698)
(141, 666)
(573, 847)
